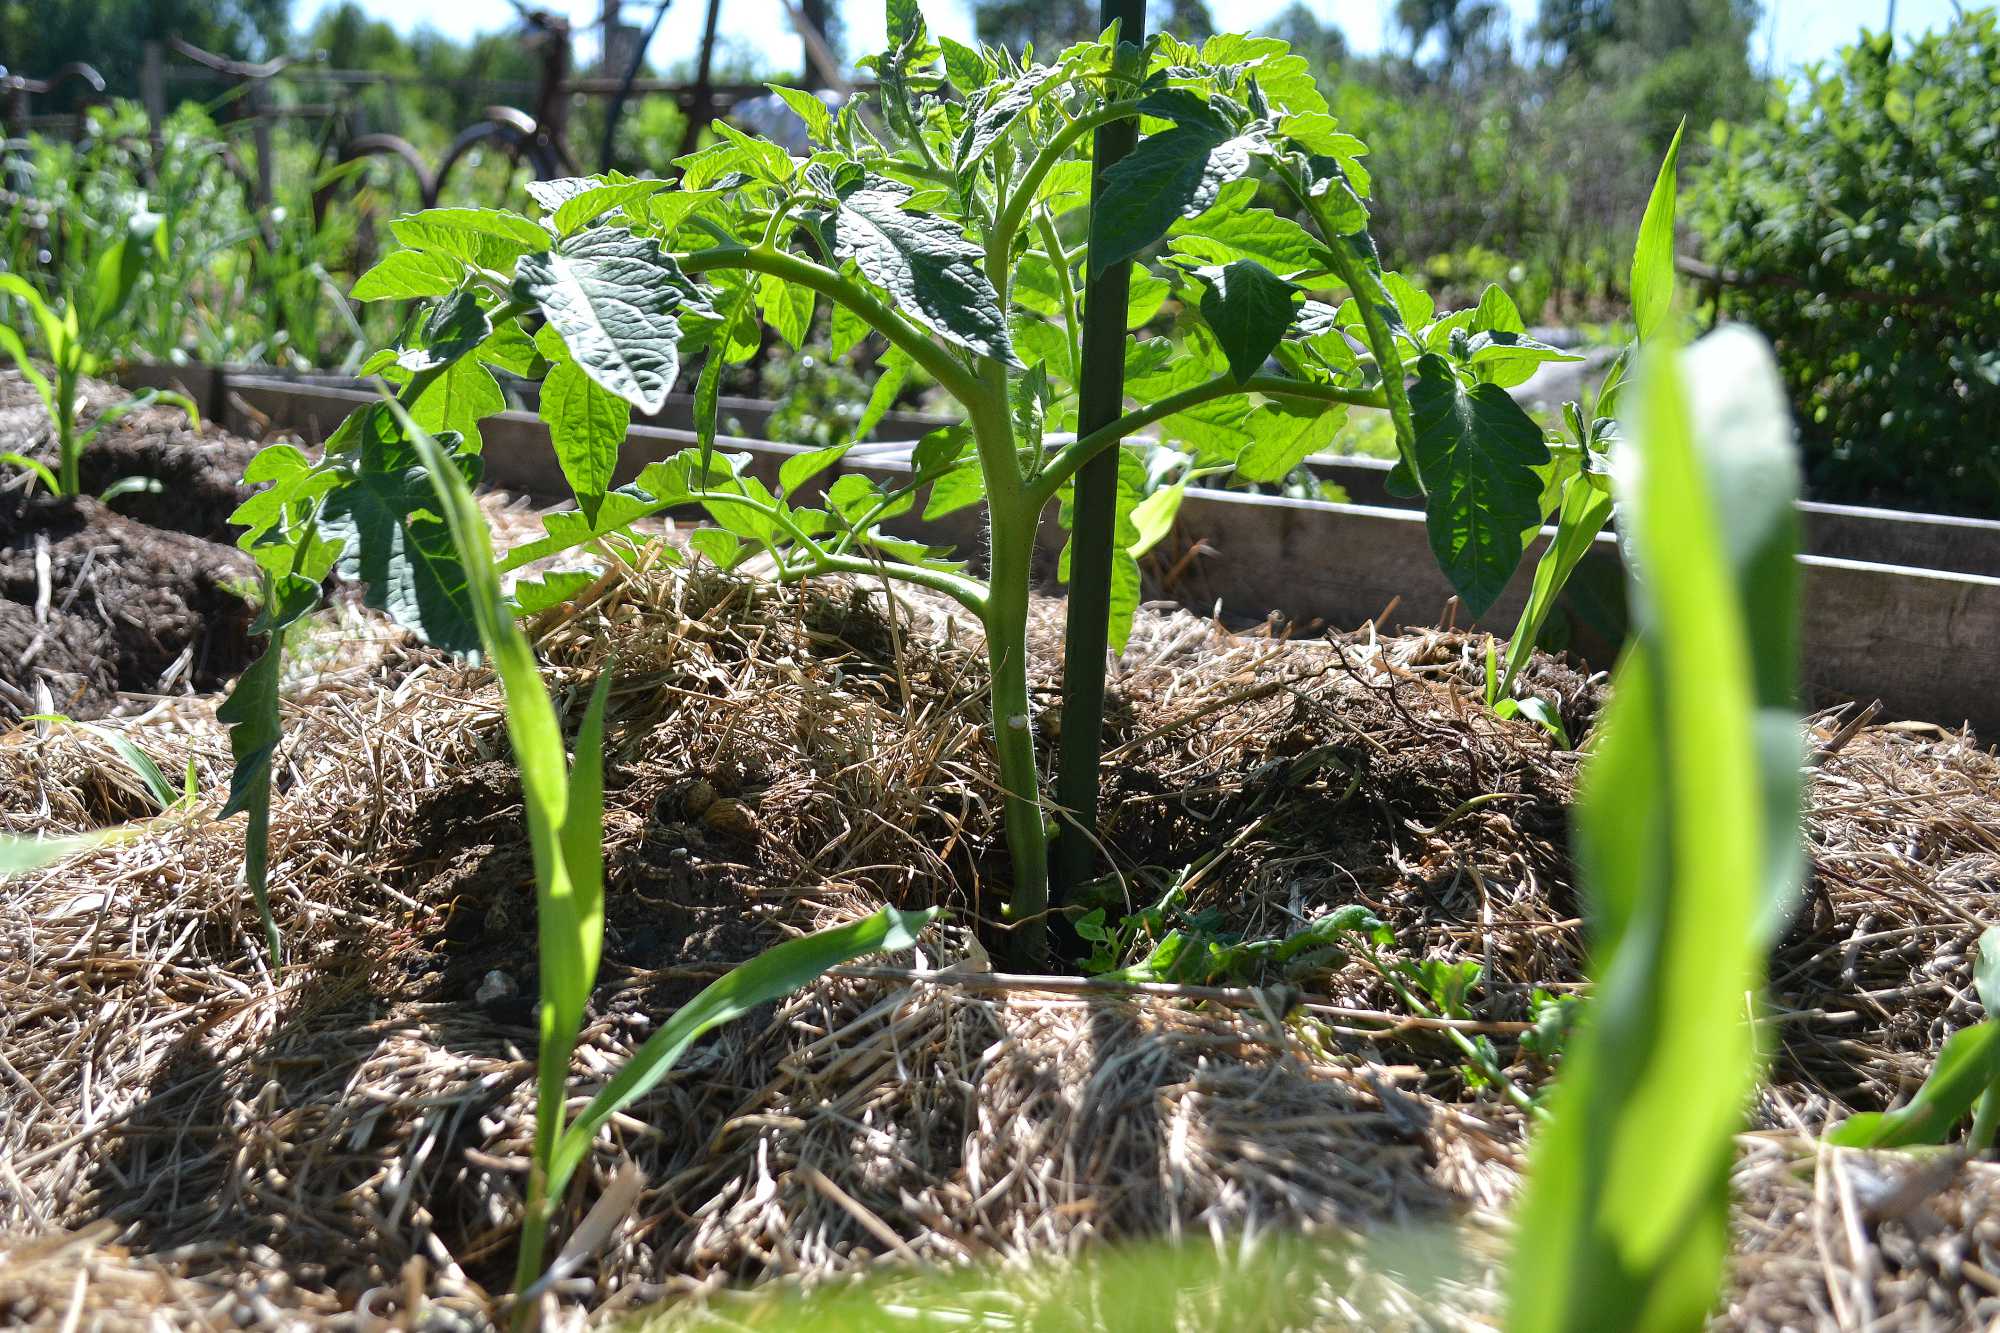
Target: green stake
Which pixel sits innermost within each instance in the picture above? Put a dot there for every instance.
(1100, 400)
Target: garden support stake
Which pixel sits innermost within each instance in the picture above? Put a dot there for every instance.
(1101, 398)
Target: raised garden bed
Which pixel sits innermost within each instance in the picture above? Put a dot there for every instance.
(1900, 608)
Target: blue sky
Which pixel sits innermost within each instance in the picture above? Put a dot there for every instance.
(1794, 31)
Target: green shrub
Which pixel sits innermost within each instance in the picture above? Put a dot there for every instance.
(1880, 175)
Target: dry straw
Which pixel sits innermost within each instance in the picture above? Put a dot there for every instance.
(186, 1140)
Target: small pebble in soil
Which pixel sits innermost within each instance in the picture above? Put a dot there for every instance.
(732, 819)
(495, 987)
(699, 797)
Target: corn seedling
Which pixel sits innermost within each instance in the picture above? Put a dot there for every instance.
(1688, 846)
(1577, 491)
(69, 333)
(143, 766)
(565, 813)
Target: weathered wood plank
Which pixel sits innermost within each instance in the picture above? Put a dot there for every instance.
(1926, 642)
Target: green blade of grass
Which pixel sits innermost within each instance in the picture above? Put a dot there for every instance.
(18, 856)
(1967, 1068)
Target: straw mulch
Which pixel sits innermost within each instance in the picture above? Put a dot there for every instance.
(189, 1140)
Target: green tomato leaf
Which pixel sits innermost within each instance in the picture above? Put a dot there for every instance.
(1143, 301)
(1496, 313)
(708, 384)
(1170, 175)
(1153, 517)
(614, 297)
(1250, 309)
(1232, 230)
(582, 209)
(404, 275)
(488, 237)
(968, 70)
(395, 545)
(818, 120)
(1414, 306)
(786, 307)
(1508, 359)
(895, 367)
(510, 349)
(930, 270)
(758, 157)
(941, 448)
(722, 547)
(453, 328)
(458, 399)
(532, 595)
(1286, 432)
(661, 486)
(799, 469)
(963, 486)
(995, 110)
(587, 427)
(1476, 450)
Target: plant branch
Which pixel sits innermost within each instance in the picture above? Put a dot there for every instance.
(772, 513)
(1045, 223)
(1075, 454)
(1369, 297)
(1000, 241)
(920, 346)
(968, 593)
(868, 520)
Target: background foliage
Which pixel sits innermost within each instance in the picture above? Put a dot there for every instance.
(1879, 174)
(1507, 149)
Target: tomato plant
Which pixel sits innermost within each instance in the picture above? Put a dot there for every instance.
(954, 219)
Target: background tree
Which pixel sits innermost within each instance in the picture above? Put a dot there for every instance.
(1053, 24)
(1469, 33)
(37, 36)
(1322, 43)
(1666, 58)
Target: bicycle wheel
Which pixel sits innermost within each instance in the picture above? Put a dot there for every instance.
(374, 178)
(489, 164)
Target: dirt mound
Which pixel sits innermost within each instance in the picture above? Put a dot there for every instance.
(143, 597)
(96, 603)
(352, 1134)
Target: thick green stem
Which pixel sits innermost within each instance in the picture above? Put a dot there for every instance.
(1014, 510)
(1014, 731)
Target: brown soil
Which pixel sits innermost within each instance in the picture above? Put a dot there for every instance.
(142, 597)
(360, 1125)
